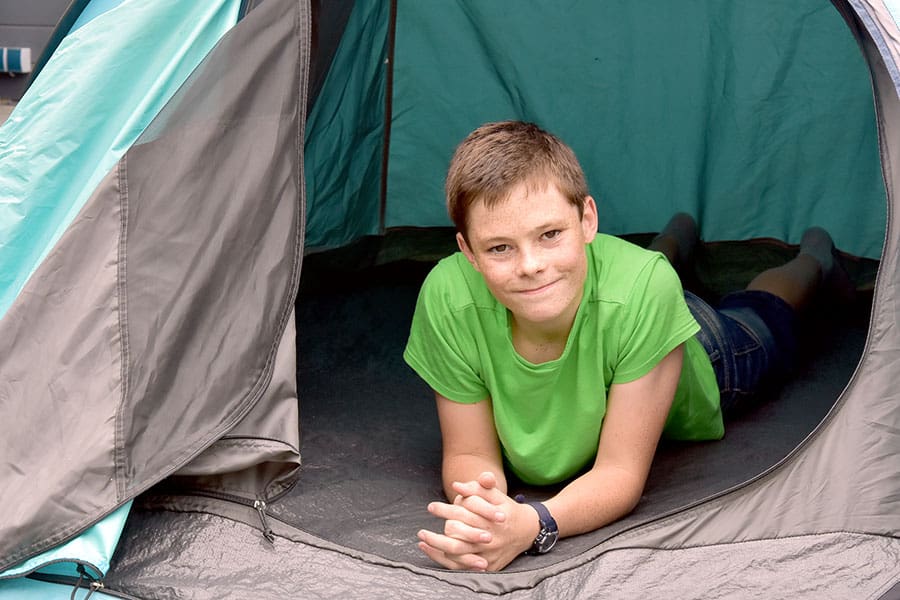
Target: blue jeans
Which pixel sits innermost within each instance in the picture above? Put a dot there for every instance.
(751, 340)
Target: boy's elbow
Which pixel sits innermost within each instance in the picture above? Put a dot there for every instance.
(629, 487)
(632, 501)
(465, 467)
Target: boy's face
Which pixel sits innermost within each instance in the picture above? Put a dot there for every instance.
(530, 249)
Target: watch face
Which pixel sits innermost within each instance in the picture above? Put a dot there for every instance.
(549, 533)
(545, 540)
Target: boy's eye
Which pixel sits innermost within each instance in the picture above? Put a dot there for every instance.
(499, 249)
(553, 233)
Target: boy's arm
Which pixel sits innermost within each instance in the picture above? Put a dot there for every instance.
(635, 416)
(470, 449)
(470, 444)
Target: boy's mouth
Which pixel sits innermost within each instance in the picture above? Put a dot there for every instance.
(537, 289)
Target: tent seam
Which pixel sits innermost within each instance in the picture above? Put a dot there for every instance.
(793, 536)
(248, 442)
(877, 36)
(388, 112)
(121, 292)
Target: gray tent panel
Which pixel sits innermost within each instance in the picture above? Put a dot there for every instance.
(825, 567)
(165, 313)
(877, 18)
(62, 345)
(259, 457)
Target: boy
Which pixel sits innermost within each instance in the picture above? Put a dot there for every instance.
(565, 354)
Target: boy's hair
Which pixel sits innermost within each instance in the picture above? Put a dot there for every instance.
(498, 156)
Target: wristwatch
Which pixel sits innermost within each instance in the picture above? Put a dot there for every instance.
(549, 533)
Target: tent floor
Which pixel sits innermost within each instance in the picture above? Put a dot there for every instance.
(370, 438)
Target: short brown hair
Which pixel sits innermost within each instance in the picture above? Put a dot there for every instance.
(498, 156)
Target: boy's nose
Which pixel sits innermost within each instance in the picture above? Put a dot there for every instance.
(530, 261)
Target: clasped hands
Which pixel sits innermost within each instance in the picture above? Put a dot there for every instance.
(484, 529)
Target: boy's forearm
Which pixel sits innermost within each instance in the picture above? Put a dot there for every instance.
(635, 416)
(467, 467)
(597, 498)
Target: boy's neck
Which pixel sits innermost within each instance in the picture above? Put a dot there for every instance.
(540, 344)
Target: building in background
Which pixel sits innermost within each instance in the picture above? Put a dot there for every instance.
(25, 29)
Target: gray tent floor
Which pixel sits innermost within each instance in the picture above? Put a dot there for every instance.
(370, 441)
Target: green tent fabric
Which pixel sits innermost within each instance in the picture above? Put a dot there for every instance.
(778, 133)
(345, 134)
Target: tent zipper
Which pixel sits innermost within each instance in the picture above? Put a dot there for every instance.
(258, 504)
(83, 582)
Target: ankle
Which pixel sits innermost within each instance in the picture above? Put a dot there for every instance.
(817, 244)
(682, 234)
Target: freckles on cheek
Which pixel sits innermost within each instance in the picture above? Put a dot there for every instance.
(496, 283)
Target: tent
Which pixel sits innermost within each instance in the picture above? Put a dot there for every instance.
(214, 218)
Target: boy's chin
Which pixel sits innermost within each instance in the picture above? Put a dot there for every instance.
(537, 317)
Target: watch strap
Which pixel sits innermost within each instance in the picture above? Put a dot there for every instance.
(547, 536)
(547, 520)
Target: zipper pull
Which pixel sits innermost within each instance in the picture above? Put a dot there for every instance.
(267, 532)
(95, 584)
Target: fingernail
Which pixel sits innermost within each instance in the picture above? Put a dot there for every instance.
(485, 537)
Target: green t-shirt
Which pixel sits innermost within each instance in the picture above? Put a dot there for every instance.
(548, 416)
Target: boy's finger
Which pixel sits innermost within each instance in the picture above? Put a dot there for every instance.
(485, 508)
(454, 549)
(460, 512)
(487, 480)
(467, 561)
(474, 488)
(463, 531)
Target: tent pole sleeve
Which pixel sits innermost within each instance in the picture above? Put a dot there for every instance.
(388, 97)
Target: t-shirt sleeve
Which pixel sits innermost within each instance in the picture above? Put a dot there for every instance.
(441, 347)
(656, 320)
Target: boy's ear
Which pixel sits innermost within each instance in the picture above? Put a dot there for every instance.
(589, 219)
(464, 248)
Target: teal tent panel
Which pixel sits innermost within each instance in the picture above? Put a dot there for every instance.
(94, 9)
(345, 134)
(757, 117)
(31, 589)
(96, 94)
(94, 547)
